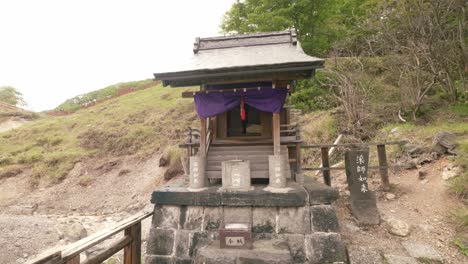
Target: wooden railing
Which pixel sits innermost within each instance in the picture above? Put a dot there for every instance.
(325, 168)
(130, 243)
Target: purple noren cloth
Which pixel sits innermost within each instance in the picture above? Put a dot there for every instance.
(214, 103)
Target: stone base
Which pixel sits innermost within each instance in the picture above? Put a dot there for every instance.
(304, 229)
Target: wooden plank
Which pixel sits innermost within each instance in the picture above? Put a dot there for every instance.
(382, 154)
(102, 235)
(356, 144)
(132, 252)
(110, 251)
(191, 94)
(326, 164)
(276, 134)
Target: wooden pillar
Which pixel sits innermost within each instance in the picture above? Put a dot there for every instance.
(326, 166)
(202, 150)
(276, 134)
(132, 252)
(382, 154)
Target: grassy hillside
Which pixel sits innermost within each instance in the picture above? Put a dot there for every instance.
(7, 113)
(75, 103)
(138, 123)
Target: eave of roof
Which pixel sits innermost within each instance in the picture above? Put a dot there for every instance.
(259, 55)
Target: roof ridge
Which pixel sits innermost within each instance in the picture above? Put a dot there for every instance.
(240, 40)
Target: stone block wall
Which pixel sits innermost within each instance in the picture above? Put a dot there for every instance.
(310, 233)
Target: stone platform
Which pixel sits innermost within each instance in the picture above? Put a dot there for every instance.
(297, 223)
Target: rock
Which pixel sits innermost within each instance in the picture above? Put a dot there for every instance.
(390, 196)
(164, 160)
(398, 227)
(352, 227)
(407, 163)
(395, 130)
(422, 252)
(364, 255)
(443, 142)
(395, 259)
(424, 158)
(72, 232)
(414, 150)
(172, 172)
(422, 174)
(450, 172)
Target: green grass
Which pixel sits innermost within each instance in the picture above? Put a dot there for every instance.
(75, 103)
(138, 123)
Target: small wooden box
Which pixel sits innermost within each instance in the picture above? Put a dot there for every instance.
(236, 235)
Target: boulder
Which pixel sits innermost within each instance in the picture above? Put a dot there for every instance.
(398, 227)
(443, 142)
(406, 162)
(72, 231)
(413, 150)
(390, 196)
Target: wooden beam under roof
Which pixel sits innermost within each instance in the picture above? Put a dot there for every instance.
(191, 94)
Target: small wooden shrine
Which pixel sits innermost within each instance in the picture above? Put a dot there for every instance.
(246, 200)
(244, 82)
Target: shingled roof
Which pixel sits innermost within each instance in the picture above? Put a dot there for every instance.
(258, 56)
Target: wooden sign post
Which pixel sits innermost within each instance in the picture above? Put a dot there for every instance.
(363, 202)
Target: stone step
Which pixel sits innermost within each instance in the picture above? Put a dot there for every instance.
(264, 251)
(260, 174)
(252, 158)
(216, 166)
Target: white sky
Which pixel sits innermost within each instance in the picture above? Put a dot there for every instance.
(52, 50)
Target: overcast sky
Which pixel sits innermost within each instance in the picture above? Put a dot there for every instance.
(52, 50)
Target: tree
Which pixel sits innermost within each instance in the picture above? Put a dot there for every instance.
(11, 95)
(319, 24)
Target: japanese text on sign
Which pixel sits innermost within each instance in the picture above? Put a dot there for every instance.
(361, 172)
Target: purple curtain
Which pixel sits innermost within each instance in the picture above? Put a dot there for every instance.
(214, 103)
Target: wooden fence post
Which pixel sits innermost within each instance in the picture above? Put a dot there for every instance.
(132, 252)
(382, 154)
(74, 260)
(326, 166)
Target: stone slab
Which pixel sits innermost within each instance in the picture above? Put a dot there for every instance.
(319, 193)
(213, 217)
(191, 217)
(265, 251)
(365, 211)
(264, 219)
(296, 246)
(364, 255)
(325, 248)
(214, 196)
(294, 220)
(395, 259)
(422, 252)
(324, 219)
(237, 214)
(166, 216)
(157, 260)
(160, 242)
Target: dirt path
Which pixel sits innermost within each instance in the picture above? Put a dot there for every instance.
(425, 205)
(29, 218)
